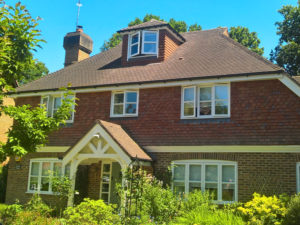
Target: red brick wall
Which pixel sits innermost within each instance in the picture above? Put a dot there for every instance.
(166, 46)
(265, 173)
(94, 179)
(262, 113)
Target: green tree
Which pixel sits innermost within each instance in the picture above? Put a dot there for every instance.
(287, 52)
(246, 38)
(179, 26)
(19, 38)
(112, 42)
(36, 70)
(195, 27)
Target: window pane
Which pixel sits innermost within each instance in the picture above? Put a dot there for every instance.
(221, 92)
(119, 98)
(135, 38)
(221, 107)
(179, 172)
(188, 109)
(130, 108)
(194, 186)
(67, 170)
(178, 187)
(105, 187)
(118, 109)
(45, 102)
(33, 183)
(228, 192)
(211, 173)
(189, 94)
(45, 168)
(150, 36)
(150, 47)
(228, 174)
(104, 197)
(134, 49)
(195, 172)
(131, 96)
(106, 178)
(35, 168)
(205, 94)
(57, 102)
(106, 168)
(57, 169)
(205, 108)
(45, 184)
(212, 189)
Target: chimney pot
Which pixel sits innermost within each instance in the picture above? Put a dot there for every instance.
(79, 28)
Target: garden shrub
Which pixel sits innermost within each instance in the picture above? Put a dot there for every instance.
(196, 199)
(292, 216)
(33, 218)
(91, 212)
(3, 180)
(205, 215)
(263, 210)
(37, 205)
(9, 213)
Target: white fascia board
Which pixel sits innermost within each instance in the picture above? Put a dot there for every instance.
(187, 82)
(220, 149)
(53, 149)
(287, 81)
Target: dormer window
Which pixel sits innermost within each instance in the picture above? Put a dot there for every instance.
(144, 42)
(149, 42)
(134, 44)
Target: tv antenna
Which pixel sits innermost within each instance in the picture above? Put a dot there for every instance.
(78, 12)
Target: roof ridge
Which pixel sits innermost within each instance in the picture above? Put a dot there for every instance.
(259, 57)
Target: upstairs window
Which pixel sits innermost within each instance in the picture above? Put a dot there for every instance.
(52, 104)
(124, 103)
(149, 42)
(206, 101)
(134, 44)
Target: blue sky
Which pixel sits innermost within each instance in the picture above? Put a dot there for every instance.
(101, 18)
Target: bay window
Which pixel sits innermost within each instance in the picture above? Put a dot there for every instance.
(124, 103)
(206, 101)
(216, 177)
(40, 174)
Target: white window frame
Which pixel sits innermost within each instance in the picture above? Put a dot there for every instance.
(47, 104)
(130, 44)
(213, 100)
(203, 163)
(40, 161)
(150, 42)
(62, 96)
(194, 102)
(124, 114)
(110, 178)
(298, 176)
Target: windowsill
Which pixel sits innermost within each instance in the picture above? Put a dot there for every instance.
(205, 117)
(142, 57)
(122, 116)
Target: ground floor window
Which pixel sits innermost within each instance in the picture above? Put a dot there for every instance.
(40, 173)
(217, 177)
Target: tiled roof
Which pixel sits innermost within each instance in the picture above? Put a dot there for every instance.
(151, 23)
(205, 54)
(124, 140)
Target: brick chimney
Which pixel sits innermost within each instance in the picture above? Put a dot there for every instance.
(78, 46)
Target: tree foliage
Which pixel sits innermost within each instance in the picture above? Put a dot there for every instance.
(287, 52)
(195, 27)
(19, 38)
(35, 71)
(246, 38)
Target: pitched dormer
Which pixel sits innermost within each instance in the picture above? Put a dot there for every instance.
(149, 42)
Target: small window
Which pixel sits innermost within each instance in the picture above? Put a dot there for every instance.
(124, 103)
(134, 44)
(212, 101)
(216, 177)
(56, 104)
(150, 40)
(40, 174)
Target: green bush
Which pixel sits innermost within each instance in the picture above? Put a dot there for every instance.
(91, 212)
(33, 218)
(263, 210)
(292, 216)
(3, 179)
(196, 199)
(204, 215)
(9, 213)
(37, 205)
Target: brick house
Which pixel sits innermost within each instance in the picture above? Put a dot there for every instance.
(222, 117)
